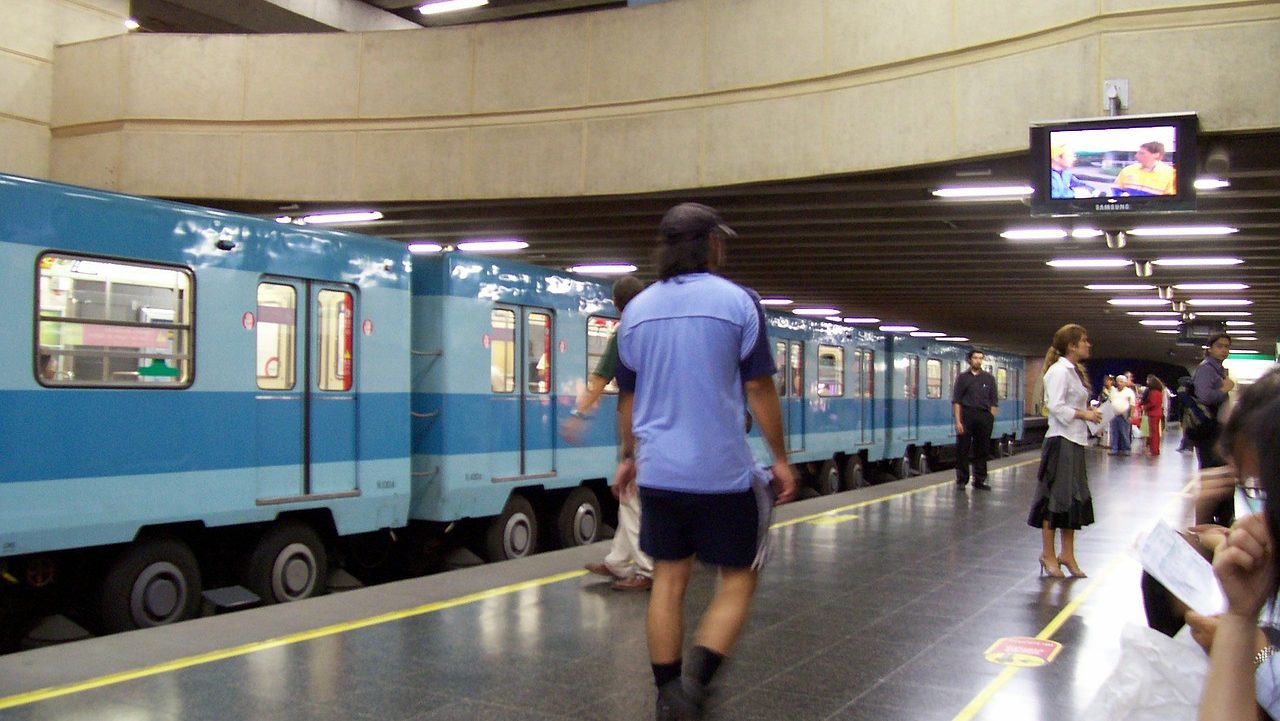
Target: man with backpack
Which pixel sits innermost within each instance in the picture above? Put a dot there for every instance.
(1209, 388)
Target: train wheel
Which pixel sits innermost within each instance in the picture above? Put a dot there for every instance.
(288, 564)
(922, 465)
(514, 532)
(828, 478)
(855, 473)
(153, 582)
(578, 522)
(901, 467)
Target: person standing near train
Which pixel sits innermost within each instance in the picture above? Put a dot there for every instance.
(630, 568)
(1063, 500)
(689, 346)
(973, 400)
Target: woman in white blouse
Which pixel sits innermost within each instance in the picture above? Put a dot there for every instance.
(1062, 498)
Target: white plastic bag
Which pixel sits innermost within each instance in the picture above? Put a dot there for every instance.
(1157, 678)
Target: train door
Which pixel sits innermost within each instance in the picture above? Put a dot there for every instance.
(788, 356)
(521, 380)
(911, 396)
(305, 400)
(867, 392)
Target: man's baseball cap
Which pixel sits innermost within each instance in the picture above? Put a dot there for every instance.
(692, 221)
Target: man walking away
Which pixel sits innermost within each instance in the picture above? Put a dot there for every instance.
(973, 400)
(689, 346)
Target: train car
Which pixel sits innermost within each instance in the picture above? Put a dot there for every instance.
(195, 398)
(834, 415)
(501, 350)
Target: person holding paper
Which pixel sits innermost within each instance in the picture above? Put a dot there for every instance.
(1244, 669)
(1062, 499)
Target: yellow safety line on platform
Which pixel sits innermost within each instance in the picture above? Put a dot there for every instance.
(985, 695)
(244, 649)
(862, 504)
(49, 693)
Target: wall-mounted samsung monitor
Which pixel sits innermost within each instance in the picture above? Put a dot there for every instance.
(1114, 165)
(1198, 332)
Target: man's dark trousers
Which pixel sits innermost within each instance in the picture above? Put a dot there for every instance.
(974, 445)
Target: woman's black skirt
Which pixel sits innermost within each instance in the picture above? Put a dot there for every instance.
(1062, 495)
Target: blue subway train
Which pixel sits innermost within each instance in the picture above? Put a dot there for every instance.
(205, 400)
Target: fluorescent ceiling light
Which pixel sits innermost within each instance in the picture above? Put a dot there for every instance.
(1211, 183)
(816, 311)
(1211, 286)
(1196, 262)
(1090, 263)
(1239, 323)
(834, 318)
(976, 192)
(1085, 233)
(497, 245)
(284, 219)
(1219, 301)
(355, 216)
(1249, 338)
(775, 301)
(1170, 332)
(603, 269)
(448, 6)
(867, 320)
(899, 328)
(1119, 286)
(1034, 234)
(425, 248)
(1224, 313)
(131, 24)
(1184, 230)
(1243, 351)
(1161, 321)
(1138, 301)
(955, 338)
(927, 334)
(1153, 313)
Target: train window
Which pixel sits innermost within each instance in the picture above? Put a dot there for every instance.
(797, 370)
(110, 323)
(933, 378)
(334, 344)
(780, 362)
(538, 337)
(830, 371)
(502, 347)
(869, 363)
(1002, 382)
(599, 331)
(275, 332)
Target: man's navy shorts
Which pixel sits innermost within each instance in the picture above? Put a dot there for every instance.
(721, 529)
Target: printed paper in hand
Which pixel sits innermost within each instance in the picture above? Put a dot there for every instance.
(1182, 570)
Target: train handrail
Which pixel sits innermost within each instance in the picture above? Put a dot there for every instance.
(428, 414)
(427, 353)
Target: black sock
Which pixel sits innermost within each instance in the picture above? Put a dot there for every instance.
(664, 672)
(703, 664)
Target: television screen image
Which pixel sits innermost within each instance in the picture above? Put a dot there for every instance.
(1116, 162)
(1114, 165)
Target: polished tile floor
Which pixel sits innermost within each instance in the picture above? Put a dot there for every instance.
(879, 609)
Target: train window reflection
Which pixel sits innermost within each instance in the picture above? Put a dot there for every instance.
(335, 343)
(830, 371)
(780, 362)
(108, 323)
(1002, 382)
(275, 332)
(599, 331)
(538, 355)
(933, 378)
(502, 344)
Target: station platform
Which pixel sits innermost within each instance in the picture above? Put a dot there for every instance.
(878, 603)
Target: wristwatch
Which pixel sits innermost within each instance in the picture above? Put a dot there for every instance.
(1261, 657)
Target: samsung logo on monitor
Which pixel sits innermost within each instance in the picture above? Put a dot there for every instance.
(1112, 206)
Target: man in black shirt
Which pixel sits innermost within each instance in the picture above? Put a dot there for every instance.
(973, 399)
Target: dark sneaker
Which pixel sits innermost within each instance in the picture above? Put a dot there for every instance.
(674, 704)
(981, 485)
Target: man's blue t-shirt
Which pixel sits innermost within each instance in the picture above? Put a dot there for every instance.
(686, 346)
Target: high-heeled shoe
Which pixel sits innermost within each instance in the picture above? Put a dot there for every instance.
(1054, 571)
(1074, 568)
